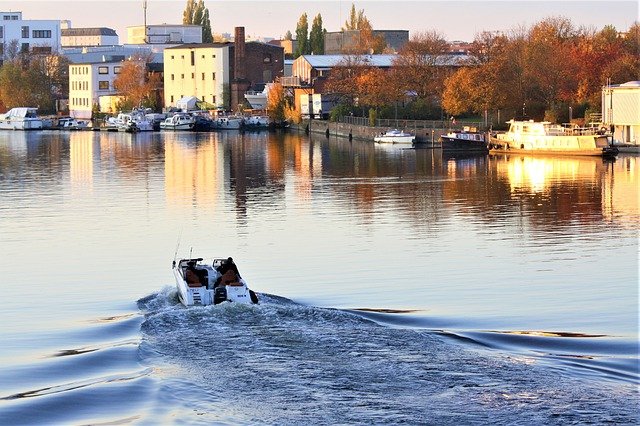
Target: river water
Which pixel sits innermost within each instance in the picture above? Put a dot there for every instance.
(396, 285)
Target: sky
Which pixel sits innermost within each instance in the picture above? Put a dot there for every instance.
(455, 20)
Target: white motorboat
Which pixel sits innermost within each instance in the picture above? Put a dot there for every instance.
(468, 140)
(70, 123)
(130, 122)
(257, 99)
(256, 122)
(178, 121)
(395, 136)
(210, 282)
(23, 118)
(228, 122)
(543, 137)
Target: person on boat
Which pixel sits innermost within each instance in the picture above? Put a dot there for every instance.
(229, 273)
(191, 275)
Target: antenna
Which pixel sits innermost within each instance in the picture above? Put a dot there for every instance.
(144, 7)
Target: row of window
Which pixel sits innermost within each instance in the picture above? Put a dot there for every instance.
(80, 101)
(34, 33)
(79, 85)
(193, 57)
(193, 76)
(101, 70)
(10, 17)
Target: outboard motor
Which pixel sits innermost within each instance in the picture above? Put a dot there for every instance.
(219, 295)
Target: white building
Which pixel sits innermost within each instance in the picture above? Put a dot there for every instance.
(164, 34)
(621, 109)
(75, 37)
(200, 70)
(89, 81)
(36, 36)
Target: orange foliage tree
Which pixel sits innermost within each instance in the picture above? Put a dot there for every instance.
(136, 86)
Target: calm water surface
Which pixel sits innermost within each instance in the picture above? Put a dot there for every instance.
(397, 285)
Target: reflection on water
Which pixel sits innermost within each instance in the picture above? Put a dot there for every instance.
(408, 259)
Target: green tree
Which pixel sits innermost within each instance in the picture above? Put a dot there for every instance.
(196, 14)
(288, 35)
(316, 37)
(302, 36)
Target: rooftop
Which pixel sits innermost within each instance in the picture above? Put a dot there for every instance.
(89, 32)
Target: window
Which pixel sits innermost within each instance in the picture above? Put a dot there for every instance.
(14, 17)
(203, 76)
(103, 85)
(193, 76)
(213, 75)
(171, 56)
(172, 77)
(171, 98)
(24, 48)
(202, 56)
(213, 56)
(41, 34)
(117, 69)
(193, 58)
(267, 58)
(182, 76)
(25, 32)
(103, 70)
(41, 49)
(213, 99)
(1, 32)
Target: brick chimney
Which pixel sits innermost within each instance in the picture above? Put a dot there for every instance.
(239, 55)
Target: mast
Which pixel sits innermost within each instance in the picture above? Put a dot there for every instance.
(144, 7)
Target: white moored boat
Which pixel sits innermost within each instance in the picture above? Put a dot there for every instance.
(210, 282)
(395, 136)
(543, 137)
(23, 118)
(179, 121)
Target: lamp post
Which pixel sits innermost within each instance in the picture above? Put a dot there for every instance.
(570, 114)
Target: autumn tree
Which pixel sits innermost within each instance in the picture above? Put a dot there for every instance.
(302, 36)
(424, 65)
(367, 41)
(135, 85)
(197, 14)
(34, 80)
(278, 106)
(316, 36)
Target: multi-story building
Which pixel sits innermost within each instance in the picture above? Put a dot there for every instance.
(92, 73)
(164, 34)
(209, 70)
(20, 35)
(88, 81)
(200, 70)
(79, 37)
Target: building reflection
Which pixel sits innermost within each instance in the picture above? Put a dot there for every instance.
(81, 160)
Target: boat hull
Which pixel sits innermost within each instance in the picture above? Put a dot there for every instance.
(12, 124)
(463, 145)
(594, 146)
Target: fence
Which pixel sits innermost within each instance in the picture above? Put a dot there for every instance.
(410, 124)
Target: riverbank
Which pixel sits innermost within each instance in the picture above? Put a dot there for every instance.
(427, 136)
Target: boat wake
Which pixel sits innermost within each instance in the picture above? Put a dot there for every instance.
(239, 363)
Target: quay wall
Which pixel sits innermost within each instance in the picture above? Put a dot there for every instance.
(359, 132)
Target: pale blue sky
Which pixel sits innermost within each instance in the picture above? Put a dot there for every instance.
(456, 20)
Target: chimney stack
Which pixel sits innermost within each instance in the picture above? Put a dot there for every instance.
(239, 57)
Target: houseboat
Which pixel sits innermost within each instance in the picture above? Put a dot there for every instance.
(23, 118)
(467, 140)
(543, 137)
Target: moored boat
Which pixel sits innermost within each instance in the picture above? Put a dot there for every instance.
(395, 136)
(70, 123)
(22, 118)
(468, 140)
(178, 121)
(210, 282)
(256, 122)
(543, 137)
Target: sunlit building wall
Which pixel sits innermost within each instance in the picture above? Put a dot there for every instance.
(196, 70)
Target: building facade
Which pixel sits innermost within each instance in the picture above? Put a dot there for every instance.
(89, 81)
(34, 36)
(621, 111)
(89, 37)
(164, 34)
(339, 42)
(200, 70)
